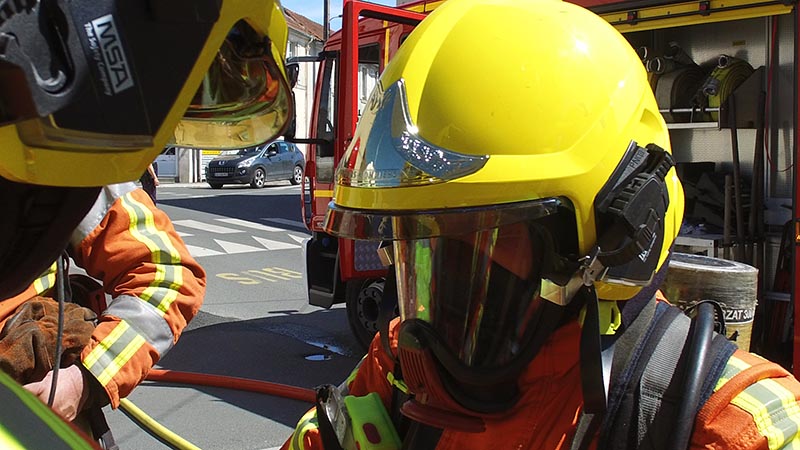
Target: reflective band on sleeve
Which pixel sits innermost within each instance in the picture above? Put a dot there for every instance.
(307, 423)
(110, 354)
(46, 280)
(145, 318)
(107, 197)
(169, 272)
(774, 408)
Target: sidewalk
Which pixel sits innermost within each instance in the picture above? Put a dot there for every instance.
(169, 183)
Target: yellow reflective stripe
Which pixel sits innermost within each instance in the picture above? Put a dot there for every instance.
(46, 280)
(7, 441)
(31, 424)
(108, 357)
(306, 423)
(320, 193)
(120, 360)
(168, 278)
(734, 366)
(399, 384)
(103, 346)
(774, 409)
(354, 372)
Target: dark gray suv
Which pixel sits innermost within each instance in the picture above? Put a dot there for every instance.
(276, 160)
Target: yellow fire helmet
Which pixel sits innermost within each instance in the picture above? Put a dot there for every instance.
(499, 112)
(92, 90)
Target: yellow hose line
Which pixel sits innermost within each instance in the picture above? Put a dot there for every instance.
(161, 431)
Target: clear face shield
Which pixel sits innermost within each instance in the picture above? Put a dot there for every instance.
(471, 274)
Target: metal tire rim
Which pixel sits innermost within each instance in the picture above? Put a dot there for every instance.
(298, 174)
(259, 178)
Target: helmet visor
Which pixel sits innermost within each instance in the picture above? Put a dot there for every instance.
(388, 151)
(479, 291)
(395, 225)
(244, 98)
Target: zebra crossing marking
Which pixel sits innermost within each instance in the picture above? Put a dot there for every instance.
(199, 252)
(293, 223)
(211, 228)
(248, 224)
(226, 247)
(235, 247)
(274, 245)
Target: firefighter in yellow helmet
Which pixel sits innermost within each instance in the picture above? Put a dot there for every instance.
(517, 151)
(90, 93)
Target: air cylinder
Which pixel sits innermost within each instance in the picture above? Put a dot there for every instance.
(734, 285)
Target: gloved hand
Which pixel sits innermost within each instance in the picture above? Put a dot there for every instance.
(71, 391)
(28, 339)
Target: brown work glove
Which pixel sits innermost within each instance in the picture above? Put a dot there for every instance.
(28, 339)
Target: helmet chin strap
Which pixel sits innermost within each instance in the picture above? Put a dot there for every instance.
(596, 349)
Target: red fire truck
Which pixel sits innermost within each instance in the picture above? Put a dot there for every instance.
(340, 270)
(748, 134)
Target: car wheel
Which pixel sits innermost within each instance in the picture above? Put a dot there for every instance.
(259, 178)
(215, 185)
(364, 308)
(297, 175)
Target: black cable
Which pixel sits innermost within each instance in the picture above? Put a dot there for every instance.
(61, 277)
(699, 344)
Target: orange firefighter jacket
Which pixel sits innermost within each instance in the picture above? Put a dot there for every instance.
(155, 286)
(754, 405)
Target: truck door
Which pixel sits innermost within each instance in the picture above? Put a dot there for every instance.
(350, 65)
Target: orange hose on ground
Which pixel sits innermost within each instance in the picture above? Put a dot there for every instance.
(241, 384)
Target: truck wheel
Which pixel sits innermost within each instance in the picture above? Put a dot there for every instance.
(363, 309)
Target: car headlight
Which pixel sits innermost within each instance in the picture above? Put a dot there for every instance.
(247, 162)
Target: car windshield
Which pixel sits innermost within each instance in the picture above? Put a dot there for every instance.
(240, 152)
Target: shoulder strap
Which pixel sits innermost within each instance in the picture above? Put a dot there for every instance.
(648, 389)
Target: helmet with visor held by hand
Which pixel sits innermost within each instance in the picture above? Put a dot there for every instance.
(91, 91)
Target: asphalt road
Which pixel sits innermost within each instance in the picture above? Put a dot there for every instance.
(255, 323)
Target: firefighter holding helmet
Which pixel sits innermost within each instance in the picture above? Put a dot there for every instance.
(90, 93)
(514, 155)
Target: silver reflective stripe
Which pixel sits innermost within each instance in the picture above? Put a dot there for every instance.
(108, 195)
(145, 318)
